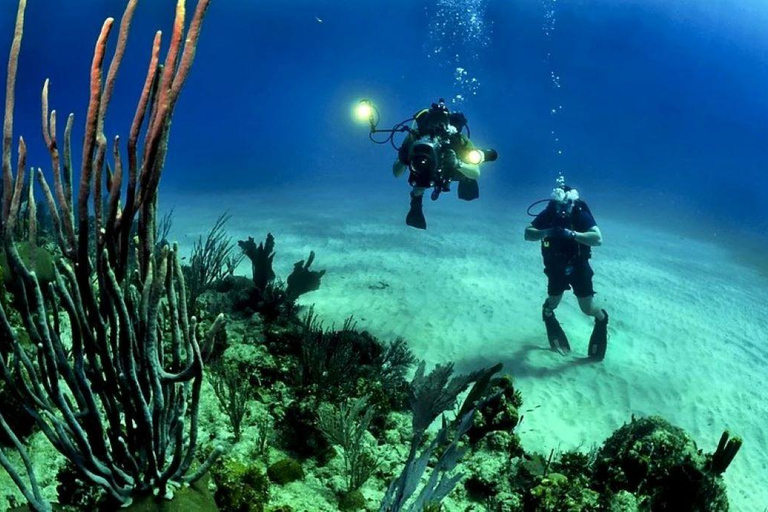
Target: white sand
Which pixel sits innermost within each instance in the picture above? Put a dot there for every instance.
(687, 332)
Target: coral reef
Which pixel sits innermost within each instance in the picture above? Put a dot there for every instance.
(726, 450)
(431, 396)
(239, 487)
(285, 471)
(346, 426)
(269, 296)
(300, 368)
(261, 257)
(233, 391)
(210, 262)
(303, 280)
(661, 465)
(98, 383)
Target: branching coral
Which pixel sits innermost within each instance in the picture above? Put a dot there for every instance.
(345, 426)
(232, 392)
(431, 396)
(328, 362)
(270, 296)
(302, 279)
(122, 406)
(211, 260)
(261, 257)
(726, 451)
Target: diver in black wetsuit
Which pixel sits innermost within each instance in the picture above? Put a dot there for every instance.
(567, 231)
(436, 144)
(435, 151)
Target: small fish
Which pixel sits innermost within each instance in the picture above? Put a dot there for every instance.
(318, 19)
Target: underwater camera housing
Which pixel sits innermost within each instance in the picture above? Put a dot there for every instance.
(425, 159)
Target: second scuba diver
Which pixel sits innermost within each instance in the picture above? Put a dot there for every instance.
(437, 152)
(568, 231)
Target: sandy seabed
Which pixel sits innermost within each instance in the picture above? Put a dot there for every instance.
(688, 328)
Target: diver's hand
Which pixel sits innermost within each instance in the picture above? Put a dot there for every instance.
(398, 168)
(562, 233)
(450, 160)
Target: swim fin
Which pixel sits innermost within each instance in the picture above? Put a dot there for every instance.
(468, 189)
(558, 341)
(415, 217)
(598, 342)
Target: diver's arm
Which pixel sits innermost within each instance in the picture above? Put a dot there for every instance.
(400, 165)
(534, 235)
(471, 171)
(398, 168)
(592, 238)
(462, 148)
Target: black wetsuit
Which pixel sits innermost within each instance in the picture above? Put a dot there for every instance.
(566, 261)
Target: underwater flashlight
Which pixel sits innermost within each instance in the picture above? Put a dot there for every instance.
(478, 156)
(475, 157)
(364, 111)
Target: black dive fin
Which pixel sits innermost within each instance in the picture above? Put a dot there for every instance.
(558, 341)
(415, 217)
(598, 342)
(468, 189)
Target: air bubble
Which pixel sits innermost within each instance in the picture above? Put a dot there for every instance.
(460, 29)
(548, 28)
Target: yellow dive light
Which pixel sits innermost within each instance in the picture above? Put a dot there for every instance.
(364, 111)
(475, 157)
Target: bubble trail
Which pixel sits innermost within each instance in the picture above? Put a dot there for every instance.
(548, 29)
(458, 35)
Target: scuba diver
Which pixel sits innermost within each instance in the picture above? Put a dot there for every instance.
(436, 140)
(436, 152)
(568, 231)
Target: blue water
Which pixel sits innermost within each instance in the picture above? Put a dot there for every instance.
(654, 96)
(659, 106)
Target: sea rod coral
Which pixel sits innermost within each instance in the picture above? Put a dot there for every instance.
(113, 373)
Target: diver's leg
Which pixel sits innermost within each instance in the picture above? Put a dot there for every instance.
(558, 341)
(581, 281)
(582, 286)
(415, 217)
(588, 307)
(557, 284)
(598, 340)
(552, 302)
